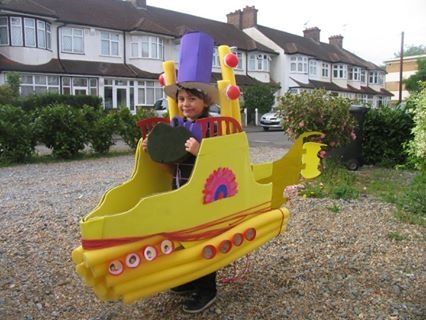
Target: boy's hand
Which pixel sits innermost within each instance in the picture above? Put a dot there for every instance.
(145, 144)
(192, 146)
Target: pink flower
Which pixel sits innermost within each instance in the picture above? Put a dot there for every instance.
(332, 143)
(322, 154)
(353, 135)
(301, 124)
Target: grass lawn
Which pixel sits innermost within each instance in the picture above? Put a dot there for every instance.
(404, 188)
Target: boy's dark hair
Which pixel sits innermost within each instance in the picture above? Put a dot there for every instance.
(197, 93)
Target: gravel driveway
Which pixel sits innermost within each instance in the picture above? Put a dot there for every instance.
(326, 266)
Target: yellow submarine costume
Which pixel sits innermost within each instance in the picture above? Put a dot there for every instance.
(144, 237)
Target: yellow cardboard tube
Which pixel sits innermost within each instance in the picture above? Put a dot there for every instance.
(170, 78)
(227, 72)
(228, 75)
(224, 101)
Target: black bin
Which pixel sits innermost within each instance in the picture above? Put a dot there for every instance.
(351, 154)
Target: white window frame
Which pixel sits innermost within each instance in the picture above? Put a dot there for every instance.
(112, 41)
(40, 83)
(312, 67)
(375, 77)
(325, 70)
(298, 64)
(48, 36)
(28, 31)
(74, 35)
(363, 76)
(151, 86)
(240, 61)
(16, 32)
(148, 47)
(354, 74)
(4, 26)
(340, 71)
(70, 85)
(216, 59)
(41, 34)
(259, 62)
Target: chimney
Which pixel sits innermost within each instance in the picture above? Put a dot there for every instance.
(249, 18)
(138, 4)
(235, 18)
(336, 41)
(243, 19)
(312, 33)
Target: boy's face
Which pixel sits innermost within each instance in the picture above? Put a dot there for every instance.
(191, 106)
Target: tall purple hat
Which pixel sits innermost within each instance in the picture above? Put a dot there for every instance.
(195, 65)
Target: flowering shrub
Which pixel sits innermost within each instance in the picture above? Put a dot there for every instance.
(417, 146)
(318, 111)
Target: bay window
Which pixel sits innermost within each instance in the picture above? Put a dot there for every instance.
(354, 74)
(24, 31)
(375, 77)
(339, 71)
(298, 64)
(258, 62)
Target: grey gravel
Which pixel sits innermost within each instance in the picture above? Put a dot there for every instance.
(326, 266)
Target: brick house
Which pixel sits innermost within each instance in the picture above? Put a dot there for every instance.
(409, 67)
(115, 49)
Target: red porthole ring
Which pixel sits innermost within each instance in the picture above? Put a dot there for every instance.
(116, 267)
(150, 253)
(225, 246)
(209, 252)
(237, 239)
(167, 246)
(250, 234)
(133, 260)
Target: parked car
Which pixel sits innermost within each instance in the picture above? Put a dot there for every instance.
(271, 120)
(160, 107)
(214, 110)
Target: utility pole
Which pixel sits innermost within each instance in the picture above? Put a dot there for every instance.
(401, 58)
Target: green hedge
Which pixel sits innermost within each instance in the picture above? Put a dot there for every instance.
(386, 130)
(42, 100)
(17, 141)
(63, 129)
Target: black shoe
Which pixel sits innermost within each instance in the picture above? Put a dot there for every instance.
(183, 289)
(198, 302)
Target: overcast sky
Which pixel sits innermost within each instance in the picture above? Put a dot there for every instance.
(371, 28)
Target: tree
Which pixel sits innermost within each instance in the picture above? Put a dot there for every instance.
(260, 97)
(412, 84)
(412, 51)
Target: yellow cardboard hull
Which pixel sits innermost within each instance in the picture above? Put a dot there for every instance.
(143, 212)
